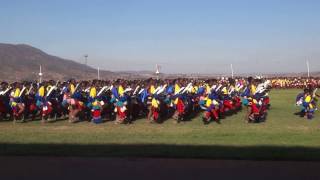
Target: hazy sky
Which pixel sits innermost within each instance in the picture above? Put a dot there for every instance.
(182, 36)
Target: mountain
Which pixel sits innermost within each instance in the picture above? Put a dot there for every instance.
(22, 62)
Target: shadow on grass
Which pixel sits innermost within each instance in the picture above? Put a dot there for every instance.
(164, 151)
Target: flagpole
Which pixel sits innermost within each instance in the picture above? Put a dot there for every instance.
(40, 75)
(231, 66)
(157, 71)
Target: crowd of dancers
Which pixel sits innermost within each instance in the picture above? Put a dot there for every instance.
(294, 82)
(124, 101)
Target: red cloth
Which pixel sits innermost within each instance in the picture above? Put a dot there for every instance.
(48, 111)
(227, 104)
(237, 102)
(32, 107)
(155, 115)
(180, 106)
(266, 100)
(121, 115)
(78, 105)
(207, 114)
(96, 113)
(255, 109)
(215, 114)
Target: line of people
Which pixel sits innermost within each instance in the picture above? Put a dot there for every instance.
(125, 101)
(294, 82)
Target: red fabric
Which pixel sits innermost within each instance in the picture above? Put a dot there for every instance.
(255, 109)
(221, 109)
(78, 105)
(48, 111)
(15, 111)
(180, 106)
(227, 104)
(266, 100)
(96, 113)
(207, 114)
(155, 115)
(237, 102)
(32, 107)
(215, 114)
(122, 115)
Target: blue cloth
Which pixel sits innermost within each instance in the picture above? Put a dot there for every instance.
(144, 95)
(119, 103)
(246, 92)
(123, 98)
(77, 95)
(213, 96)
(245, 102)
(201, 90)
(299, 96)
(115, 92)
(170, 89)
(97, 120)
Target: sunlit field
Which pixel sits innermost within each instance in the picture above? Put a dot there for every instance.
(283, 136)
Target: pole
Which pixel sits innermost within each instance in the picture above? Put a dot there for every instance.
(157, 71)
(308, 68)
(231, 66)
(40, 75)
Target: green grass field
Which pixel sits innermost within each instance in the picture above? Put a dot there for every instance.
(283, 136)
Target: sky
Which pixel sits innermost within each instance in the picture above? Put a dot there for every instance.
(182, 36)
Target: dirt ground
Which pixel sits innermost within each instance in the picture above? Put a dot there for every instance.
(15, 167)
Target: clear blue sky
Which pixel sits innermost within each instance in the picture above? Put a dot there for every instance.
(199, 36)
